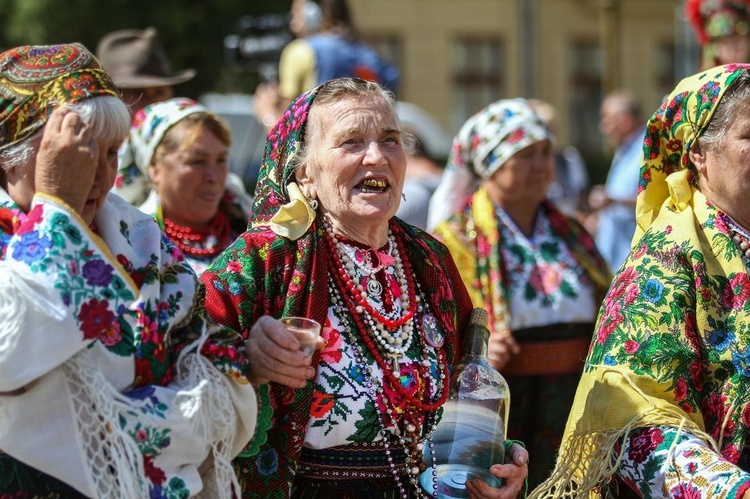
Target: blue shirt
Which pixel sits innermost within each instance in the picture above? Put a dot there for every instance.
(617, 220)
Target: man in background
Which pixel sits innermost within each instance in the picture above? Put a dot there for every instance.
(614, 203)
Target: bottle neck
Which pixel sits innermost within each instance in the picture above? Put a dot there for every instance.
(475, 343)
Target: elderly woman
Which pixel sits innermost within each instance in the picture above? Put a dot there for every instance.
(663, 408)
(353, 420)
(112, 381)
(534, 269)
(184, 149)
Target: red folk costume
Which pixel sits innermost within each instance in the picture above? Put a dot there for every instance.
(357, 411)
(713, 20)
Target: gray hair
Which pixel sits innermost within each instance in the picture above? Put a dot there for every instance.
(338, 88)
(108, 117)
(736, 96)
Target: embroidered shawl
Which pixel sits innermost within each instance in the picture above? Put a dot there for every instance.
(264, 273)
(672, 342)
(473, 237)
(117, 401)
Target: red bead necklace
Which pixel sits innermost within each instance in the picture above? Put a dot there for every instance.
(346, 289)
(195, 242)
(340, 275)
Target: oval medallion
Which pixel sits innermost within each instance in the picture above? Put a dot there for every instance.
(432, 333)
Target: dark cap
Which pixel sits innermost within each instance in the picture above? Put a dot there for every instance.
(137, 59)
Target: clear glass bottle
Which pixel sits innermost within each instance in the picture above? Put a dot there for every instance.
(471, 434)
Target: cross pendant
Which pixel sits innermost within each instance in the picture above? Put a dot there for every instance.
(395, 356)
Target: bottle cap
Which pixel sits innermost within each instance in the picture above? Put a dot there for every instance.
(480, 317)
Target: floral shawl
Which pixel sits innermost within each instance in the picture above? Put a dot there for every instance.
(473, 238)
(672, 342)
(98, 334)
(265, 273)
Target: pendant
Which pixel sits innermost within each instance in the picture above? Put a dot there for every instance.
(432, 333)
(396, 368)
(374, 288)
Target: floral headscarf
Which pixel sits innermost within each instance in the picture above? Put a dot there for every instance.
(33, 79)
(278, 202)
(682, 117)
(485, 142)
(151, 123)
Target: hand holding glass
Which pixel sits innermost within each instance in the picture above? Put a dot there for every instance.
(306, 330)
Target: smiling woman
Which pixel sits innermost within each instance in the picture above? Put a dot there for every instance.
(184, 149)
(324, 243)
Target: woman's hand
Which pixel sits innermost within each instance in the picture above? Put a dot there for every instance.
(514, 474)
(500, 349)
(274, 355)
(66, 161)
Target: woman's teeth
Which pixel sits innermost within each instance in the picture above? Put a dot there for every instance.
(374, 184)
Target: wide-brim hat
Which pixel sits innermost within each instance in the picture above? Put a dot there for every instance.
(137, 59)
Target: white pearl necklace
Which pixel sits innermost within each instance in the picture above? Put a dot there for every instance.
(375, 392)
(393, 344)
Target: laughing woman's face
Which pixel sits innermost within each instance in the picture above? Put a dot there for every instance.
(357, 162)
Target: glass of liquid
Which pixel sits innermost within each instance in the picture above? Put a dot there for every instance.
(306, 330)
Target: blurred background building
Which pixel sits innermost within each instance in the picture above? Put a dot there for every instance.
(458, 56)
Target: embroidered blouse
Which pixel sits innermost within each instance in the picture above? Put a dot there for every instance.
(99, 362)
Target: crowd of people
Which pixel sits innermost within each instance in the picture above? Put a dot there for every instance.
(141, 348)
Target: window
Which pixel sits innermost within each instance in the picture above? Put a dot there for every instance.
(586, 97)
(477, 80)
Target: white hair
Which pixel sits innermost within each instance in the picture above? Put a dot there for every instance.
(107, 115)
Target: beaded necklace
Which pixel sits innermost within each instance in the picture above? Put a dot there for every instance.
(200, 243)
(740, 237)
(393, 335)
(407, 436)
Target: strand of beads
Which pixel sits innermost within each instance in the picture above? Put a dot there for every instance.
(349, 255)
(200, 243)
(740, 237)
(356, 293)
(411, 440)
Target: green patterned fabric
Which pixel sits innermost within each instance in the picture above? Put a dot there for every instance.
(263, 273)
(34, 78)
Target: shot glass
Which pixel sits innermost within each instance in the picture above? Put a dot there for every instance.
(306, 330)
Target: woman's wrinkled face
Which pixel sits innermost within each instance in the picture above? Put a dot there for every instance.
(724, 168)
(104, 178)
(190, 180)
(106, 172)
(356, 162)
(525, 177)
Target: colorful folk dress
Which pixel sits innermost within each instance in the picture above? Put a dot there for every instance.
(103, 392)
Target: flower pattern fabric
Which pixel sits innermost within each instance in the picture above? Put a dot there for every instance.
(668, 360)
(124, 297)
(264, 273)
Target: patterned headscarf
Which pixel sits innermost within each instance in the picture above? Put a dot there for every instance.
(485, 142)
(682, 118)
(151, 123)
(35, 79)
(279, 202)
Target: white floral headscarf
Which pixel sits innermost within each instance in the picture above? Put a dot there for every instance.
(485, 142)
(151, 123)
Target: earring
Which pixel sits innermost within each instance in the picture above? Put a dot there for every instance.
(313, 204)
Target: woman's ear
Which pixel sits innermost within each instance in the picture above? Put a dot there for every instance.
(305, 182)
(697, 156)
(154, 172)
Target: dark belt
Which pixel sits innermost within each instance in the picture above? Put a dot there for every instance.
(368, 460)
(550, 350)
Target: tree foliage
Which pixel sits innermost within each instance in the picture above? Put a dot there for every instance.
(192, 31)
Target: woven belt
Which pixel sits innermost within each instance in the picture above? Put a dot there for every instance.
(368, 460)
(558, 356)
